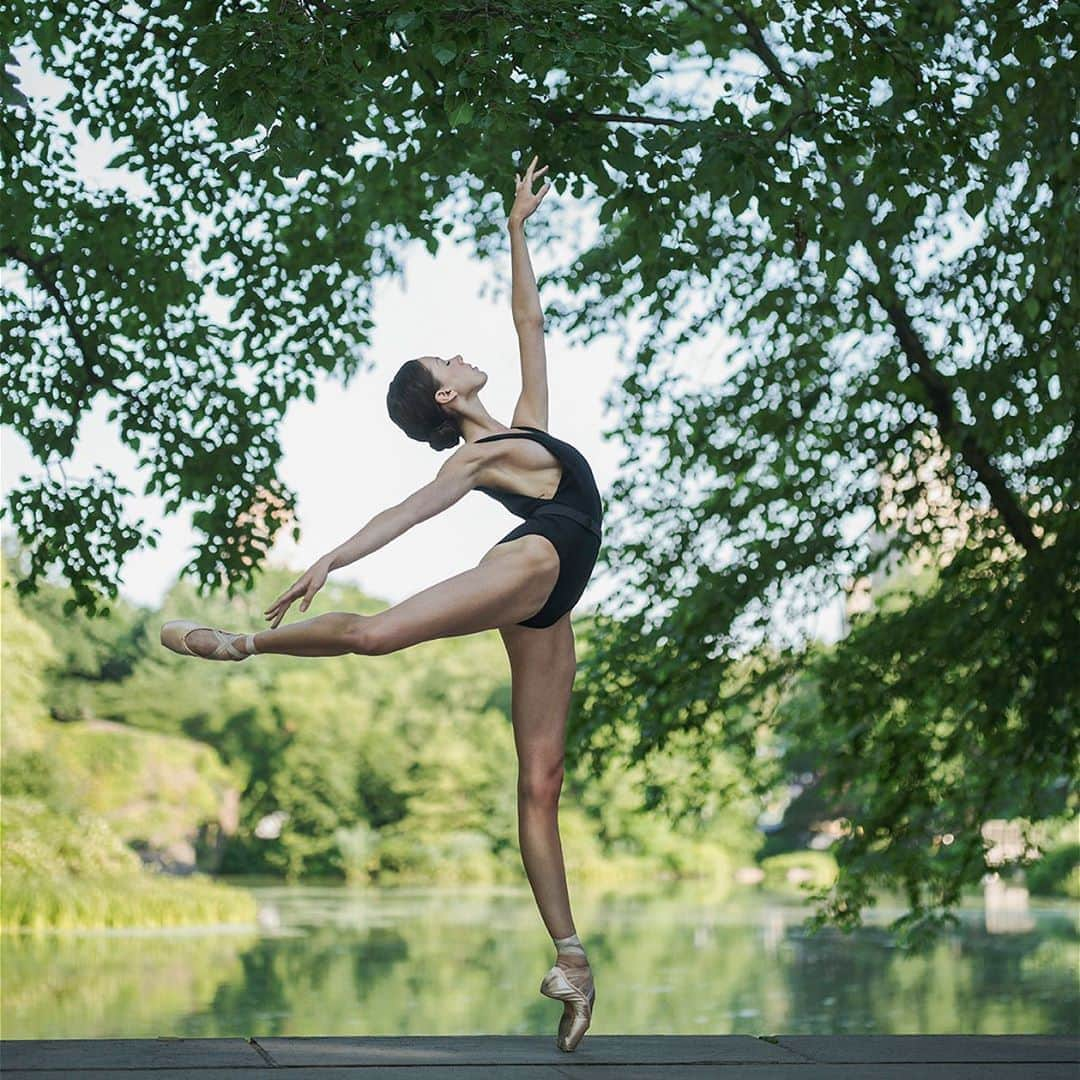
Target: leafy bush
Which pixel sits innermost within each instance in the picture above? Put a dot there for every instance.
(63, 872)
(1057, 873)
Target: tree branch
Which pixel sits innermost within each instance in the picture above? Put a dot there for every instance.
(957, 433)
(856, 21)
(938, 391)
(40, 269)
(765, 54)
(142, 28)
(558, 116)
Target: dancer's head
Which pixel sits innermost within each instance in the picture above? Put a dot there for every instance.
(428, 395)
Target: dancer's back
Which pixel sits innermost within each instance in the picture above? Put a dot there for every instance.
(572, 519)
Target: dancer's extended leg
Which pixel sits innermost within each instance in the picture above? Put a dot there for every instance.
(510, 584)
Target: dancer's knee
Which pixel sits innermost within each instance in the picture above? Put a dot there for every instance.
(368, 636)
(540, 785)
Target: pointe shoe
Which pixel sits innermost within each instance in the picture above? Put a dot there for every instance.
(174, 636)
(577, 1005)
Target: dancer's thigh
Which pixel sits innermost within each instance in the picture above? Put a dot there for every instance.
(543, 663)
(511, 583)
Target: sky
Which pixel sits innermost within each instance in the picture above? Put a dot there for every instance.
(342, 454)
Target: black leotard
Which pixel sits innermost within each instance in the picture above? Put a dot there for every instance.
(572, 519)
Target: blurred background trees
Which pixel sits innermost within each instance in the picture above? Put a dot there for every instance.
(400, 769)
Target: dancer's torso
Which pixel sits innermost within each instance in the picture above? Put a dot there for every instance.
(577, 489)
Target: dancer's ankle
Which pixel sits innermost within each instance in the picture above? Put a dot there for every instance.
(248, 644)
(570, 963)
(570, 950)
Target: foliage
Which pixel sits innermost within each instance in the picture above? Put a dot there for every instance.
(151, 788)
(26, 650)
(267, 165)
(939, 716)
(1057, 873)
(395, 769)
(73, 793)
(1054, 868)
(898, 392)
(878, 208)
(63, 872)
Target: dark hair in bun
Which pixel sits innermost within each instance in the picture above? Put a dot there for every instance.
(411, 403)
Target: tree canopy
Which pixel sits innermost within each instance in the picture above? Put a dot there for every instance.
(273, 162)
(877, 202)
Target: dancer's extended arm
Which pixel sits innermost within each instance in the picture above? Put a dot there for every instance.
(532, 405)
(457, 477)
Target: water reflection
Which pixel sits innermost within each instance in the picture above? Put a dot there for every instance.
(1008, 907)
(337, 961)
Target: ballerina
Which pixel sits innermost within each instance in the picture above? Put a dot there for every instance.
(525, 586)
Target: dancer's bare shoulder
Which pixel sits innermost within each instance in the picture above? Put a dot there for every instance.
(471, 463)
(519, 465)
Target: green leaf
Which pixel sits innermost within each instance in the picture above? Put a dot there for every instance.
(462, 114)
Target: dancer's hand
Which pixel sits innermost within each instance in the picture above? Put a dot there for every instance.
(525, 202)
(306, 586)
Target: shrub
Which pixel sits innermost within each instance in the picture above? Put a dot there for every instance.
(1057, 873)
(73, 872)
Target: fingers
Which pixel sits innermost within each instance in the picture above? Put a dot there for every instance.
(278, 609)
(529, 177)
(294, 589)
(529, 169)
(523, 183)
(289, 594)
(305, 587)
(278, 613)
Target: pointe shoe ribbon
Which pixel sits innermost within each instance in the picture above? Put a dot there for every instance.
(174, 636)
(577, 1006)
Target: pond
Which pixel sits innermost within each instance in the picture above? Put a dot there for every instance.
(334, 960)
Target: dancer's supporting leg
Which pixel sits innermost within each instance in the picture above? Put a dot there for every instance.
(510, 583)
(542, 667)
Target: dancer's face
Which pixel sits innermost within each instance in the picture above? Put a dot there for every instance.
(452, 373)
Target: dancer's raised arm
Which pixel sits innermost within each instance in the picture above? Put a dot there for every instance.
(532, 406)
(456, 477)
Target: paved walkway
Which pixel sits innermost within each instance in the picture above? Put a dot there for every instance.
(535, 1057)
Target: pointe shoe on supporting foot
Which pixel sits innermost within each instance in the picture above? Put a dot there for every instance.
(577, 997)
(174, 636)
